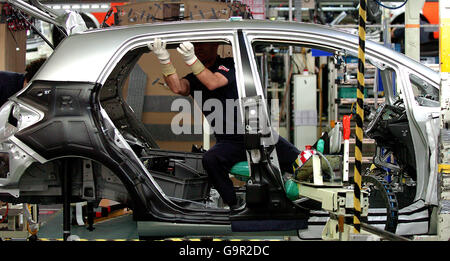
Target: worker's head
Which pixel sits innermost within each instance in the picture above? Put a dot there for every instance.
(206, 52)
(32, 68)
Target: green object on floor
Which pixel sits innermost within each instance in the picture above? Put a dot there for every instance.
(241, 170)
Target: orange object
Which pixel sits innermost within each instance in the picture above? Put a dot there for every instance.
(431, 11)
(412, 25)
(101, 15)
(341, 224)
(346, 125)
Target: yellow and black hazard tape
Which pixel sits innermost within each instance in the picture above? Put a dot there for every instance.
(444, 168)
(359, 116)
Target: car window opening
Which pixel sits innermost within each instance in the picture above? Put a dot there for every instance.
(176, 167)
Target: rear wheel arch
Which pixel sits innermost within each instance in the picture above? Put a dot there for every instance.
(88, 176)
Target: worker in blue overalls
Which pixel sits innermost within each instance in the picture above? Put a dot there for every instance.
(12, 82)
(215, 78)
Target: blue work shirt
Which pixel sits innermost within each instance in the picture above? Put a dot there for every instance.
(10, 83)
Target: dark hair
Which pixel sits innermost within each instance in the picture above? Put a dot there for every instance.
(33, 67)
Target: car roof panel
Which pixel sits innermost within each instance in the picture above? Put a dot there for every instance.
(82, 57)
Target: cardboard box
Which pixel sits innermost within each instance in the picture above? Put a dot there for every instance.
(198, 10)
(139, 13)
(159, 11)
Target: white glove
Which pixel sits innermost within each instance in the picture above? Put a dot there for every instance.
(186, 49)
(159, 49)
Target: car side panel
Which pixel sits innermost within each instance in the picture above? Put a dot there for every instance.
(69, 130)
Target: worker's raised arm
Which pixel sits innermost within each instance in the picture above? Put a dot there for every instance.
(176, 85)
(211, 80)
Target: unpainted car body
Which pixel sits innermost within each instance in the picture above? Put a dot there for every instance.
(73, 113)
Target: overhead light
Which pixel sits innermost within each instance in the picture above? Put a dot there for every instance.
(81, 6)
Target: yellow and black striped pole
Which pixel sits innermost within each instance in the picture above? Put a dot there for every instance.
(359, 116)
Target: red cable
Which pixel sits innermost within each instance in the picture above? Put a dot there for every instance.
(6, 213)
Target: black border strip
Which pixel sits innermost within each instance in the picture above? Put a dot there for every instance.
(249, 84)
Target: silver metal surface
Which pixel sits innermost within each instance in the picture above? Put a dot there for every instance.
(6, 129)
(19, 161)
(82, 57)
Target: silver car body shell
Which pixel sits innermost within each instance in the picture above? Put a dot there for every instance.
(92, 55)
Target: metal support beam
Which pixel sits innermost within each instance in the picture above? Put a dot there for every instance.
(412, 28)
(206, 134)
(359, 117)
(386, 29)
(290, 10)
(298, 10)
(66, 189)
(332, 93)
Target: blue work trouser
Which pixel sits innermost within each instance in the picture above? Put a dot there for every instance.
(219, 160)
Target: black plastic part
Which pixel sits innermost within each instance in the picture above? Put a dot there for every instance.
(190, 188)
(33, 238)
(252, 141)
(257, 194)
(388, 196)
(68, 127)
(90, 216)
(250, 89)
(390, 129)
(180, 175)
(268, 225)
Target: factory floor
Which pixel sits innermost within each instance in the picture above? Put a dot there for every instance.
(118, 225)
(115, 227)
